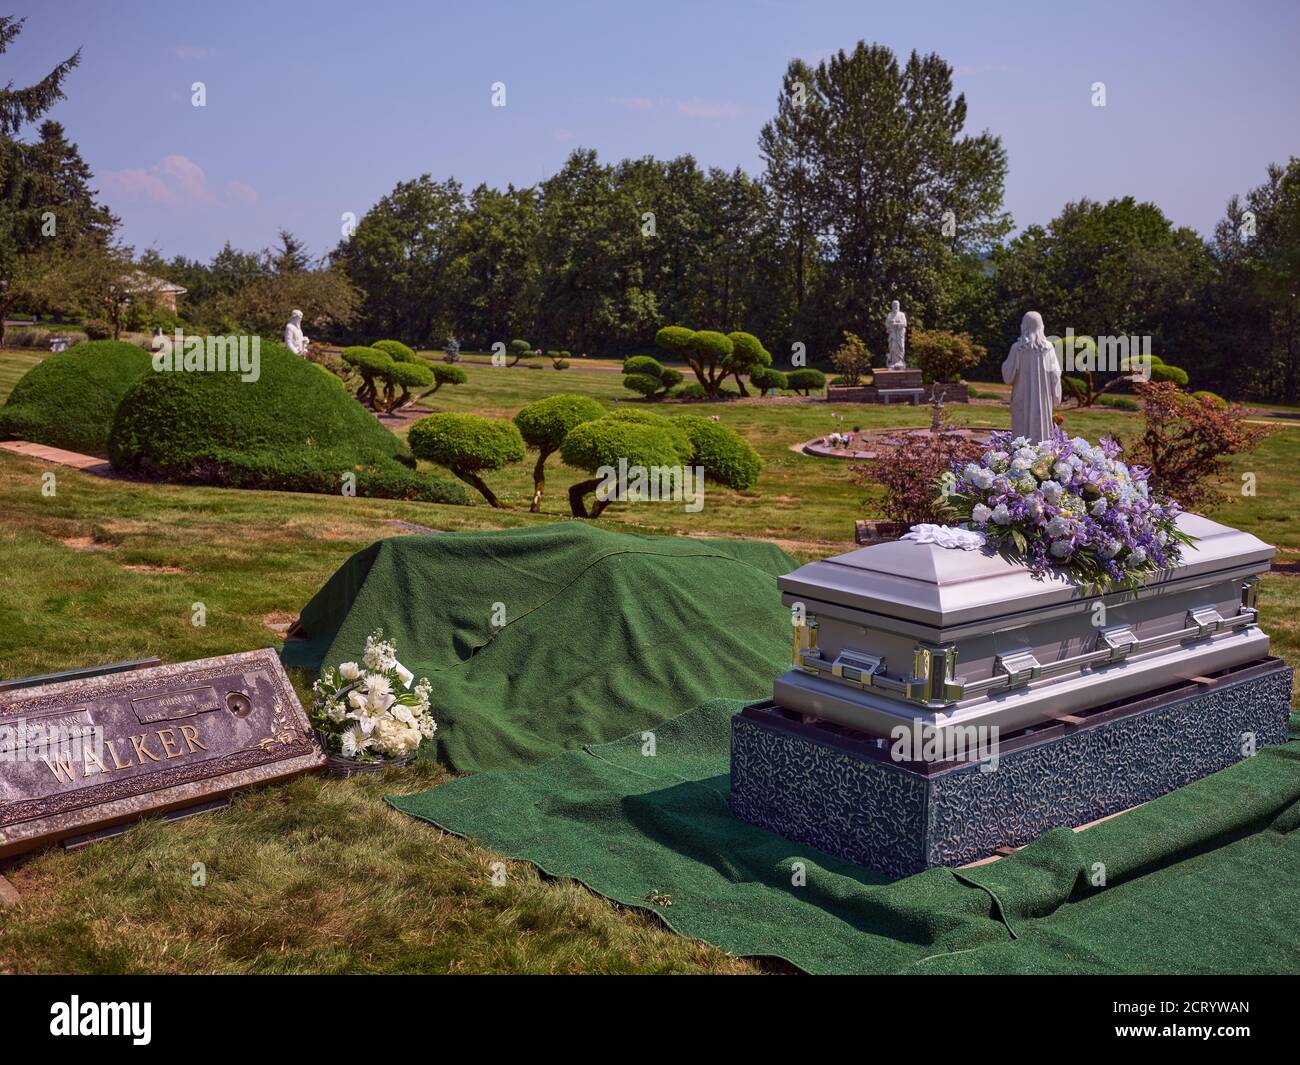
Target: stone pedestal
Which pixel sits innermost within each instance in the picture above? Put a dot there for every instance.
(841, 791)
(908, 378)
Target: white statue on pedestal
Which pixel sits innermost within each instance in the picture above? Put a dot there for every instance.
(1034, 373)
(293, 335)
(896, 324)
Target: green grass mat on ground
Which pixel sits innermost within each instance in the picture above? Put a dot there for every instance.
(1201, 880)
(599, 628)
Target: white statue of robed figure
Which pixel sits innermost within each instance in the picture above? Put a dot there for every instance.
(896, 325)
(293, 335)
(1034, 373)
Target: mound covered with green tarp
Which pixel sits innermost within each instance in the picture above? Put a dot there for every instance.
(548, 638)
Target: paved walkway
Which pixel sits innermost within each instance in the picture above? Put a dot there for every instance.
(76, 460)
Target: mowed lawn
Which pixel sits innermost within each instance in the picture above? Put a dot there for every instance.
(319, 875)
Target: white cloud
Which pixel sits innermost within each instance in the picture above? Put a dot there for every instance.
(176, 181)
(636, 103)
(241, 192)
(708, 108)
(693, 108)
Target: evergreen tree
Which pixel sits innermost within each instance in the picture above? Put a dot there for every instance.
(24, 222)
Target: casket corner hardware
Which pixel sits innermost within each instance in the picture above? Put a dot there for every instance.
(933, 681)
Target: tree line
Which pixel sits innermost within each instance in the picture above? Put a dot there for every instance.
(871, 190)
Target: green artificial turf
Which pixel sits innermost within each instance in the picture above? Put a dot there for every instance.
(546, 638)
(1198, 881)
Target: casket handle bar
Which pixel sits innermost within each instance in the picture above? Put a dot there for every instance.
(932, 682)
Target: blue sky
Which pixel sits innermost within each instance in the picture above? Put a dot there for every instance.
(314, 109)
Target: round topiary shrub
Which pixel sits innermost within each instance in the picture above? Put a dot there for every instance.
(672, 426)
(68, 400)
(723, 453)
(1162, 371)
(694, 390)
(545, 423)
(806, 381)
(765, 378)
(374, 367)
(97, 329)
(406, 376)
(292, 429)
(395, 350)
(648, 376)
(641, 383)
(1212, 398)
(597, 448)
(444, 375)
(467, 444)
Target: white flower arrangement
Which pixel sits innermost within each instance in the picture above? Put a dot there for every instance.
(369, 710)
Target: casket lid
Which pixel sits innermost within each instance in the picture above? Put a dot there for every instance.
(943, 587)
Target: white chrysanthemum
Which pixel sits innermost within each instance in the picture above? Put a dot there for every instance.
(377, 682)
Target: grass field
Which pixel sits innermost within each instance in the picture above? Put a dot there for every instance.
(319, 875)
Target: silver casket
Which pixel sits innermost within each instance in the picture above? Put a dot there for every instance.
(906, 633)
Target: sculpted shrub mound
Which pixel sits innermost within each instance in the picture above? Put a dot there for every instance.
(467, 444)
(293, 430)
(69, 399)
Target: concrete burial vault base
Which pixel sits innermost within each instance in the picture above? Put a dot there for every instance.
(943, 704)
(833, 789)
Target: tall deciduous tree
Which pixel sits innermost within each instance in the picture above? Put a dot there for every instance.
(1257, 299)
(400, 255)
(902, 191)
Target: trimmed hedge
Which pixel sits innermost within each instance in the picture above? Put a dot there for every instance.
(69, 400)
(290, 430)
